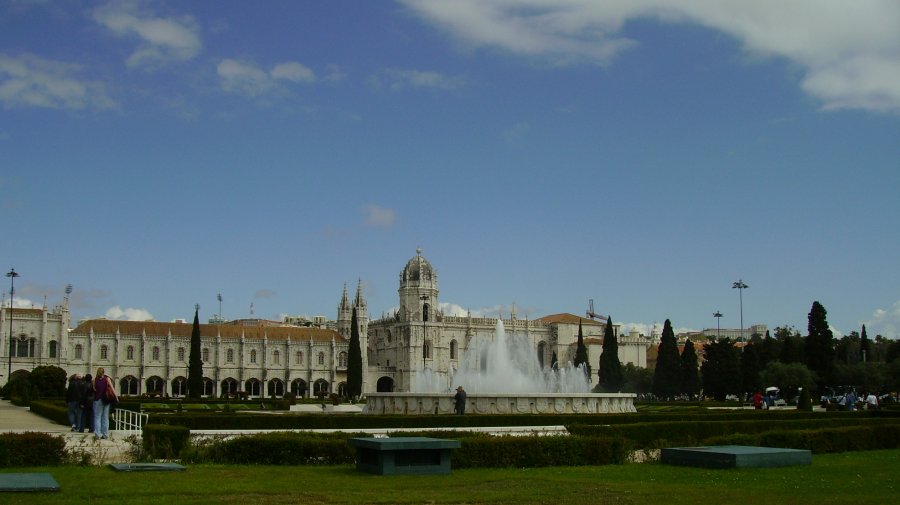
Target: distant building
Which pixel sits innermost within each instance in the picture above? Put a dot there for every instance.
(306, 357)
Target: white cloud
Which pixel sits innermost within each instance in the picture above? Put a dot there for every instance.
(379, 217)
(30, 81)
(161, 40)
(847, 50)
(884, 322)
(396, 79)
(294, 72)
(247, 78)
(128, 314)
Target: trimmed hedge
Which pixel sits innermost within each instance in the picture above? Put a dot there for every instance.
(161, 441)
(828, 440)
(51, 410)
(539, 451)
(652, 435)
(276, 449)
(31, 449)
(249, 421)
(477, 450)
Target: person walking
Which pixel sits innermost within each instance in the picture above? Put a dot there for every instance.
(104, 395)
(75, 401)
(460, 399)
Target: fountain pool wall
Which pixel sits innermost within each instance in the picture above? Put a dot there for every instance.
(501, 403)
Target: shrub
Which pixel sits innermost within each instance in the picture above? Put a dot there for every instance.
(279, 449)
(161, 441)
(31, 449)
(804, 402)
(53, 411)
(539, 451)
(827, 440)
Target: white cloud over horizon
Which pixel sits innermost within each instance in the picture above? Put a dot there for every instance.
(396, 79)
(161, 39)
(248, 78)
(379, 217)
(847, 50)
(27, 80)
(128, 314)
(884, 322)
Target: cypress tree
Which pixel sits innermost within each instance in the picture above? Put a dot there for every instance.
(195, 363)
(690, 373)
(581, 354)
(667, 375)
(865, 347)
(354, 360)
(610, 370)
(819, 348)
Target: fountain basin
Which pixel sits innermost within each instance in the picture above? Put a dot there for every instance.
(501, 403)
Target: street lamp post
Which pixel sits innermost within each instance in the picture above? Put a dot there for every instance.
(741, 286)
(12, 291)
(718, 316)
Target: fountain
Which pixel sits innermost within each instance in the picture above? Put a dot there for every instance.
(502, 376)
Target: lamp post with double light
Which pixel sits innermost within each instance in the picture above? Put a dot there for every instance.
(740, 286)
(12, 292)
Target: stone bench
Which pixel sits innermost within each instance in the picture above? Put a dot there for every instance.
(403, 455)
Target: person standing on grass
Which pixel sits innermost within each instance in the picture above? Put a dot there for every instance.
(102, 385)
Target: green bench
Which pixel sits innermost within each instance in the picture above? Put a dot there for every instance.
(403, 455)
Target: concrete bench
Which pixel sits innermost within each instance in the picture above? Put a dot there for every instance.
(403, 455)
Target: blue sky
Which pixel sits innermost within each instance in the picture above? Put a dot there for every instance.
(643, 154)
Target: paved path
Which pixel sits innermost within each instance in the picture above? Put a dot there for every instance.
(15, 419)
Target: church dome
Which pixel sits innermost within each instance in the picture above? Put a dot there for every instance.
(418, 269)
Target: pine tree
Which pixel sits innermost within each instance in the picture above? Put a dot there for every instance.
(195, 363)
(721, 370)
(667, 374)
(690, 373)
(581, 354)
(610, 371)
(354, 360)
(819, 348)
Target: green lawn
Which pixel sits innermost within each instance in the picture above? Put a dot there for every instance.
(858, 478)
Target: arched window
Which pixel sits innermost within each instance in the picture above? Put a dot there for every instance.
(253, 387)
(25, 347)
(209, 388)
(298, 387)
(229, 386)
(155, 385)
(542, 349)
(53, 349)
(342, 390)
(321, 358)
(181, 354)
(229, 356)
(78, 351)
(204, 355)
(298, 358)
(276, 358)
(253, 356)
(179, 387)
(104, 352)
(128, 386)
(320, 387)
(275, 387)
(342, 360)
(426, 349)
(129, 352)
(425, 310)
(453, 349)
(155, 353)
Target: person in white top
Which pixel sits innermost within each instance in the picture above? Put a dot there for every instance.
(871, 401)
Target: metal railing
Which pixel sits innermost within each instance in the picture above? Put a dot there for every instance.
(129, 421)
